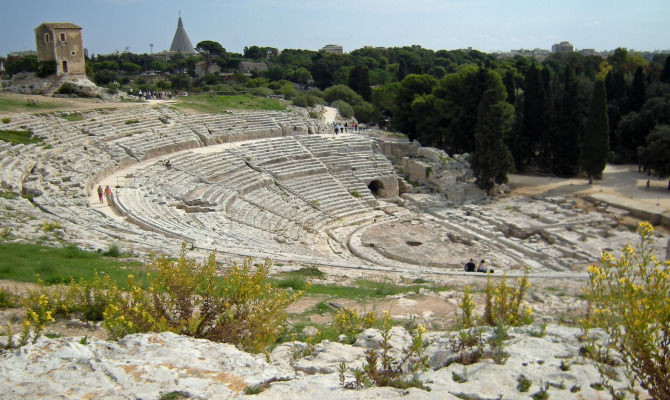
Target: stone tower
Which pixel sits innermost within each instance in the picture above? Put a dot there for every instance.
(181, 42)
(61, 42)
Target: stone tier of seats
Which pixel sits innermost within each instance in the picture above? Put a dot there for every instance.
(273, 150)
(324, 192)
(154, 143)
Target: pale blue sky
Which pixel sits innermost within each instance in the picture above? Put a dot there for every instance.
(486, 25)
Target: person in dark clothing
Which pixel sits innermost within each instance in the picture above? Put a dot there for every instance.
(470, 266)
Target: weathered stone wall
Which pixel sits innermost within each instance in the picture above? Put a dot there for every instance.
(68, 53)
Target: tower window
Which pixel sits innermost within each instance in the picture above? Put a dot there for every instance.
(46, 38)
(62, 37)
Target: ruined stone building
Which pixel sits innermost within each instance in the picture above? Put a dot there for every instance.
(61, 42)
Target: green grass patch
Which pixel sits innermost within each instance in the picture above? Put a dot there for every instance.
(23, 262)
(218, 104)
(8, 195)
(363, 288)
(8, 104)
(16, 137)
(132, 121)
(72, 117)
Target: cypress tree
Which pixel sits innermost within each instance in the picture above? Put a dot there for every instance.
(359, 81)
(638, 91)
(596, 135)
(567, 139)
(492, 160)
(534, 108)
(665, 74)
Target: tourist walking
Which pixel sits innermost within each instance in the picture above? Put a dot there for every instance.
(100, 193)
(108, 195)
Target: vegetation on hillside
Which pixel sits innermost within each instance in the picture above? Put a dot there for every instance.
(435, 97)
(217, 104)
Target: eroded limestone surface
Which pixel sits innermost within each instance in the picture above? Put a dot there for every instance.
(148, 365)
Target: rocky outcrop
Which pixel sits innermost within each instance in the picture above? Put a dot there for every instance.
(432, 167)
(144, 366)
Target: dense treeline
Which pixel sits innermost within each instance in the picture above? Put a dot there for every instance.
(566, 115)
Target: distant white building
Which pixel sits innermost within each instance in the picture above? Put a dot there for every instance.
(563, 47)
(332, 49)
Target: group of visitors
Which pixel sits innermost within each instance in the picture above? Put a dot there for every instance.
(153, 94)
(482, 267)
(107, 192)
(339, 128)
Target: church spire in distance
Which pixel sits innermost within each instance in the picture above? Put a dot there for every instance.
(181, 42)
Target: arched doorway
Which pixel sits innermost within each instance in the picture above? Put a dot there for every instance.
(377, 189)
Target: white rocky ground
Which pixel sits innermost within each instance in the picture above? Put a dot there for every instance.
(144, 366)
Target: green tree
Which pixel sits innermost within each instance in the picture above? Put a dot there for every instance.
(534, 118)
(342, 92)
(410, 88)
(23, 64)
(566, 141)
(596, 135)
(131, 68)
(301, 76)
(457, 102)
(180, 81)
(344, 108)
(46, 68)
(359, 81)
(655, 156)
(492, 160)
(665, 74)
(638, 93)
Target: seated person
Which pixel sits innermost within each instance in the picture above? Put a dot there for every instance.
(168, 164)
(483, 267)
(470, 266)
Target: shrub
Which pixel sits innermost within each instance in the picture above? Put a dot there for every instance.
(8, 299)
(468, 346)
(46, 68)
(113, 250)
(630, 300)
(306, 100)
(186, 297)
(503, 303)
(66, 88)
(6, 120)
(48, 226)
(344, 108)
(381, 369)
(466, 306)
(349, 323)
(523, 383)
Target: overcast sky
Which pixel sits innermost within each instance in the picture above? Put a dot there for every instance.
(486, 25)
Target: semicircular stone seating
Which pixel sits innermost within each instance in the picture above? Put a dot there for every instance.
(265, 191)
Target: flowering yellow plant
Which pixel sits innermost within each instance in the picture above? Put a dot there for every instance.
(630, 299)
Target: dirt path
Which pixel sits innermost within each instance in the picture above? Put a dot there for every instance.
(618, 180)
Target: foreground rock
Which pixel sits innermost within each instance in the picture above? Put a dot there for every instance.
(145, 366)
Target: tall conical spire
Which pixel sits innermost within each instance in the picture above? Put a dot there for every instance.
(181, 43)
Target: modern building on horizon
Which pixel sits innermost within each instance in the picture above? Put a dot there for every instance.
(563, 47)
(332, 49)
